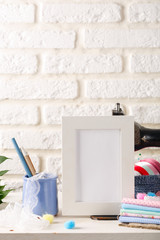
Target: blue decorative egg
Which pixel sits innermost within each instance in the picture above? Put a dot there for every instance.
(69, 224)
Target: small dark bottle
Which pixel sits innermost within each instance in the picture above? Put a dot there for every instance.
(143, 137)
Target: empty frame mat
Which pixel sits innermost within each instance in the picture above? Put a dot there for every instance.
(97, 163)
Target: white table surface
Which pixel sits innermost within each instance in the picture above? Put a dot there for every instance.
(86, 229)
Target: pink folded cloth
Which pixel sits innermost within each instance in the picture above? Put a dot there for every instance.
(141, 202)
(139, 215)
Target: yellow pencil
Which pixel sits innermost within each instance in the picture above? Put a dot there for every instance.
(29, 162)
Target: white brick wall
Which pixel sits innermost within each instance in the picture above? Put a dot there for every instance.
(122, 38)
(38, 89)
(81, 13)
(73, 58)
(144, 12)
(17, 13)
(18, 64)
(53, 114)
(19, 114)
(124, 88)
(82, 64)
(31, 139)
(15, 167)
(54, 165)
(145, 63)
(146, 114)
(37, 39)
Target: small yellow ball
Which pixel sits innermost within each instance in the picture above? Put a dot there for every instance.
(48, 217)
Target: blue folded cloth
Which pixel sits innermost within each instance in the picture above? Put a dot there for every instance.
(139, 207)
(126, 219)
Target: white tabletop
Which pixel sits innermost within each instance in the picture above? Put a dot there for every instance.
(86, 229)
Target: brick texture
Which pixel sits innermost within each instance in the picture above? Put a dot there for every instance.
(31, 139)
(121, 38)
(146, 114)
(18, 64)
(81, 13)
(145, 63)
(37, 39)
(54, 165)
(82, 64)
(144, 12)
(38, 89)
(17, 13)
(122, 88)
(73, 58)
(53, 114)
(19, 114)
(15, 166)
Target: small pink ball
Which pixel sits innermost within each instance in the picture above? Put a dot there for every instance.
(141, 195)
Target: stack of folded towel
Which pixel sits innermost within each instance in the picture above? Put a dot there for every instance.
(140, 211)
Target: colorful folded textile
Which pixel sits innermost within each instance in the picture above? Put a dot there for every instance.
(138, 220)
(139, 215)
(152, 198)
(140, 225)
(138, 207)
(132, 211)
(147, 203)
(140, 211)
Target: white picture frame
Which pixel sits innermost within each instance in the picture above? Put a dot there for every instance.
(97, 164)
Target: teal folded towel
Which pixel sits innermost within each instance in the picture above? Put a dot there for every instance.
(139, 207)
